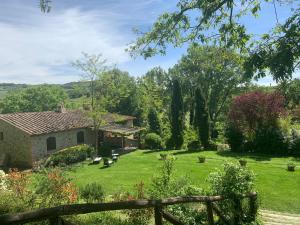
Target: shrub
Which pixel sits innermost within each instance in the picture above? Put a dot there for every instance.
(291, 166)
(194, 146)
(53, 188)
(92, 193)
(269, 140)
(254, 123)
(250, 111)
(234, 138)
(140, 216)
(201, 159)
(70, 155)
(153, 141)
(295, 141)
(165, 185)
(232, 182)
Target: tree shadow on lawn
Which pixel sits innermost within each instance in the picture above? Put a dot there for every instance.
(181, 152)
(255, 156)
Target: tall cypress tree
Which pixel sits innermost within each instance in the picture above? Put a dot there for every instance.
(201, 119)
(154, 121)
(177, 116)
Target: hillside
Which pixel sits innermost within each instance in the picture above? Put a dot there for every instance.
(74, 89)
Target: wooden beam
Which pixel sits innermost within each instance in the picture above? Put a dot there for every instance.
(158, 215)
(172, 219)
(42, 214)
(210, 214)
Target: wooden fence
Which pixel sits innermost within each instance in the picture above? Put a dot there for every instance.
(54, 214)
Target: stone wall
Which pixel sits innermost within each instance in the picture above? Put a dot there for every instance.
(63, 140)
(16, 144)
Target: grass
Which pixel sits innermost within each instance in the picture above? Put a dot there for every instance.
(278, 189)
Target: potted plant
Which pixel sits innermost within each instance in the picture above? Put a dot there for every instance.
(201, 159)
(291, 166)
(243, 162)
(163, 156)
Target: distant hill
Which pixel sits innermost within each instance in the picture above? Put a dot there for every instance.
(74, 89)
(6, 87)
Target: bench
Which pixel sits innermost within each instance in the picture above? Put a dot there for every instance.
(107, 162)
(115, 157)
(97, 160)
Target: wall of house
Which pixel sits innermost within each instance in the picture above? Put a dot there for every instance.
(16, 144)
(64, 139)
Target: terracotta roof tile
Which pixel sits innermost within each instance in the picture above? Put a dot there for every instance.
(36, 123)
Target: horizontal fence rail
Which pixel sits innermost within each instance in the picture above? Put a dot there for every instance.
(55, 212)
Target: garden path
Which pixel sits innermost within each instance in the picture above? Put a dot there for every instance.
(278, 218)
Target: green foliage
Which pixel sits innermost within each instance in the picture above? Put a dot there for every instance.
(235, 138)
(165, 184)
(232, 182)
(201, 158)
(154, 91)
(202, 119)
(92, 192)
(70, 155)
(270, 140)
(153, 120)
(117, 92)
(291, 92)
(210, 76)
(33, 99)
(140, 216)
(99, 218)
(177, 117)
(278, 52)
(194, 146)
(295, 142)
(153, 141)
(53, 188)
(92, 67)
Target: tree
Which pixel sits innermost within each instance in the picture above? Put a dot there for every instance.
(249, 112)
(117, 91)
(216, 73)
(291, 91)
(154, 91)
(92, 67)
(34, 99)
(153, 121)
(212, 21)
(202, 119)
(177, 116)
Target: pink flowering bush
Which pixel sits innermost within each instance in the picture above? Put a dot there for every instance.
(253, 122)
(250, 111)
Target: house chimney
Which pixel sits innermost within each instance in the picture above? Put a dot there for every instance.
(61, 108)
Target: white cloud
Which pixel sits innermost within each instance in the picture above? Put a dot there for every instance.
(41, 47)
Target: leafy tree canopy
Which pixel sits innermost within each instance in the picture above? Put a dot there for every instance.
(217, 72)
(116, 91)
(33, 99)
(219, 21)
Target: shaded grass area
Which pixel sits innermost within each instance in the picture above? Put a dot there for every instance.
(278, 189)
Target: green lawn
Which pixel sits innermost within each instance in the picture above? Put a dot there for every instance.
(278, 189)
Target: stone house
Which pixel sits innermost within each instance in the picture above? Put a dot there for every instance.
(31, 136)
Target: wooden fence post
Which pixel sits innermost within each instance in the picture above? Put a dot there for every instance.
(210, 214)
(55, 221)
(253, 206)
(158, 214)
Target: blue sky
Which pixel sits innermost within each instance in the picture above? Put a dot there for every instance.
(39, 48)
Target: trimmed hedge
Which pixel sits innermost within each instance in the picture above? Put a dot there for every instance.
(153, 141)
(70, 155)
